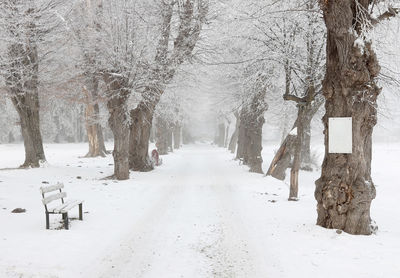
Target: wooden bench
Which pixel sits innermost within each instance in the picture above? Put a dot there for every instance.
(63, 207)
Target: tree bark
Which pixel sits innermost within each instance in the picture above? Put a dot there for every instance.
(250, 132)
(345, 190)
(27, 106)
(141, 122)
(255, 124)
(118, 94)
(254, 148)
(22, 82)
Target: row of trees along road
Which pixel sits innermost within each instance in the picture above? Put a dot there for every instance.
(116, 49)
(294, 41)
(124, 54)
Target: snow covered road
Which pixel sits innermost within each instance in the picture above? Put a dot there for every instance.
(199, 215)
(196, 228)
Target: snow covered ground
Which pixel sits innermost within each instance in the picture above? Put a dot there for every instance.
(198, 215)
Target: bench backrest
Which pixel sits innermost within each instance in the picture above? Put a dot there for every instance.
(56, 193)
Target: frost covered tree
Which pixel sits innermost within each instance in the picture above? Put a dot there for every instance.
(26, 27)
(345, 190)
(132, 48)
(299, 40)
(251, 119)
(114, 44)
(165, 119)
(175, 108)
(86, 31)
(180, 30)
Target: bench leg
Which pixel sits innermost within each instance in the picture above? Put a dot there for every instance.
(47, 221)
(65, 217)
(80, 212)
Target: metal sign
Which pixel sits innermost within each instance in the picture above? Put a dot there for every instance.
(340, 135)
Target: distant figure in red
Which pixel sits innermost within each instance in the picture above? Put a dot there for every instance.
(155, 157)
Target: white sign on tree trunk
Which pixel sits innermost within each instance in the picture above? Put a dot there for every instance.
(340, 135)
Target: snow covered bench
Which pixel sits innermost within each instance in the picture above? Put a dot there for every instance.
(63, 207)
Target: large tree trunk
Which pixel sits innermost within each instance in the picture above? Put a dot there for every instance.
(27, 106)
(22, 81)
(250, 133)
(235, 135)
(345, 190)
(118, 94)
(254, 147)
(141, 122)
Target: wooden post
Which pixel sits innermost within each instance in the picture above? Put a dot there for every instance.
(294, 172)
(65, 217)
(80, 212)
(47, 220)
